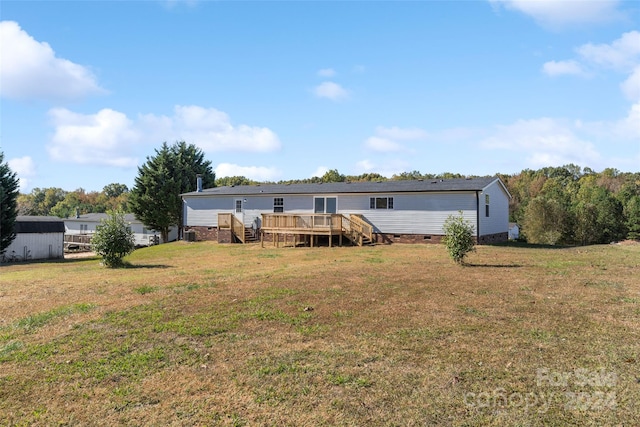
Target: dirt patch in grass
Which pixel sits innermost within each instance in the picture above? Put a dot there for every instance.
(208, 334)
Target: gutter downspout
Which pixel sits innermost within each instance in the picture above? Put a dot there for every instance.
(477, 217)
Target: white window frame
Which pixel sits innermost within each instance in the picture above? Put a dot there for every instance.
(325, 204)
(278, 207)
(373, 202)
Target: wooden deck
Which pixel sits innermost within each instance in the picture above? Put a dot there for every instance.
(307, 227)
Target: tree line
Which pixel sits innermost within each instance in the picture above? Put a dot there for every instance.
(553, 205)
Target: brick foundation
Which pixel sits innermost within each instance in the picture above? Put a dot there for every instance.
(493, 238)
(204, 233)
(224, 236)
(386, 238)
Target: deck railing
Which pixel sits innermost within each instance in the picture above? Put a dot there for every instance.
(302, 222)
(362, 227)
(228, 221)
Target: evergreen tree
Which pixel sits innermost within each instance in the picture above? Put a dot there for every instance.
(155, 198)
(8, 204)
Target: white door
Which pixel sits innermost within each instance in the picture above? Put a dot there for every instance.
(238, 210)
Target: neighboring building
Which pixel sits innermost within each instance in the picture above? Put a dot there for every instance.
(37, 237)
(87, 223)
(398, 211)
(514, 231)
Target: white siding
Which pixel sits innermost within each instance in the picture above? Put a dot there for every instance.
(36, 246)
(498, 219)
(203, 211)
(416, 213)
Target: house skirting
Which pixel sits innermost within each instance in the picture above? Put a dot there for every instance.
(488, 239)
(204, 233)
(388, 238)
(224, 236)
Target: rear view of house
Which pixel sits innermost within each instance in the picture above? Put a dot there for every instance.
(395, 211)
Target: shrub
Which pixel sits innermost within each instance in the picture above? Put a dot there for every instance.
(113, 239)
(458, 237)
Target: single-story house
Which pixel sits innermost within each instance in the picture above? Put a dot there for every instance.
(86, 225)
(37, 237)
(395, 211)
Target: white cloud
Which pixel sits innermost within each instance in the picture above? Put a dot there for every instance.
(626, 129)
(209, 129)
(401, 133)
(365, 165)
(631, 86)
(331, 90)
(622, 54)
(320, 171)
(25, 168)
(559, 68)
(388, 168)
(104, 138)
(30, 69)
(327, 72)
(386, 139)
(544, 142)
(257, 173)
(383, 145)
(109, 137)
(560, 13)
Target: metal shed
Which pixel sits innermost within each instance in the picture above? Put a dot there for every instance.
(37, 237)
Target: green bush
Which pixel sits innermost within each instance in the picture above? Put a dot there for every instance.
(113, 239)
(458, 237)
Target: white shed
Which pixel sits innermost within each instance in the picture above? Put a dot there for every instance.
(514, 231)
(37, 237)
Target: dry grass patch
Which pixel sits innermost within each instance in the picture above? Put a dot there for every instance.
(208, 334)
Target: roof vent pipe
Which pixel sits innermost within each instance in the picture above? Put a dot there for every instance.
(199, 183)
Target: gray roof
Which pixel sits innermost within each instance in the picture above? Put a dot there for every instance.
(38, 224)
(435, 185)
(97, 217)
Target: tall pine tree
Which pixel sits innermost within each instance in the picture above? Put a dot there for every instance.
(155, 198)
(8, 204)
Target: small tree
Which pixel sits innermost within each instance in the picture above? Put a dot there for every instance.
(8, 204)
(458, 237)
(113, 239)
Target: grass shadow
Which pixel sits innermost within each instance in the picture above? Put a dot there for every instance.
(522, 244)
(150, 266)
(473, 265)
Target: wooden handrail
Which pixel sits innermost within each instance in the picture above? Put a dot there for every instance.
(228, 221)
(302, 222)
(361, 226)
(225, 220)
(237, 228)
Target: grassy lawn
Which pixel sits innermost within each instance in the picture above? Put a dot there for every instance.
(208, 334)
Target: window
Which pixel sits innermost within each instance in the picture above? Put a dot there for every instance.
(239, 206)
(325, 205)
(278, 205)
(83, 228)
(381, 203)
(486, 205)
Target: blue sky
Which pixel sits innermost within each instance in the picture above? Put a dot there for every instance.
(285, 90)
